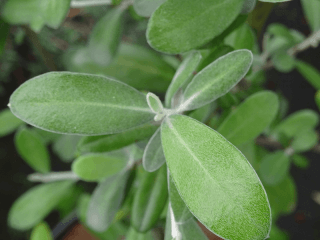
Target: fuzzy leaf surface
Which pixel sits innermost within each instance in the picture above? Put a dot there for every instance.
(216, 79)
(153, 157)
(181, 25)
(182, 75)
(83, 104)
(206, 167)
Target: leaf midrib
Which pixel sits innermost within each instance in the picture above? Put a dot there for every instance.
(95, 104)
(207, 173)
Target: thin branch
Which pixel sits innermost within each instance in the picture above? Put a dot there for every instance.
(81, 4)
(52, 177)
(312, 41)
(273, 144)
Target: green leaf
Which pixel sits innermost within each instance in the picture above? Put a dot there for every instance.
(189, 230)
(95, 167)
(36, 13)
(282, 197)
(278, 43)
(149, 200)
(300, 161)
(134, 235)
(250, 118)
(311, 74)
(47, 137)
(31, 148)
(154, 103)
(65, 147)
(242, 38)
(296, 122)
(35, 204)
(179, 209)
(304, 140)
(146, 7)
(82, 104)
(183, 75)
(153, 157)
(274, 167)
(283, 62)
(106, 36)
(216, 79)
(181, 25)
(248, 6)
(111, 142)
(212, 176)
(8, 122)
(105, 202)
(140, 67)
(311, 10)
(41, 232)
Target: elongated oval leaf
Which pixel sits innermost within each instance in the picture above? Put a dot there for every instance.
(34, 205)
(8, 122)
(304, 140)
(153, 157)
(105, 202)
(154, 103)
(181, 25)
(94, 167)
(189, 230)
(250, 118)
(149, 200)
(283, 62)
(217, 79)
(215, 180)
(300, 161)
(311, 74)
(274, 167)
(77, 103)
(111, 142)
(105, 37)
(41, 232)
(183, 74)
(311, 11)
(32, 150)
(179, 209)
(297, 122)
(146, 7)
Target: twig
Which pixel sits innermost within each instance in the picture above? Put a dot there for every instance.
(44, 54)
(270, 143)
(52, 177)
(88, 3)
(312, 41)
